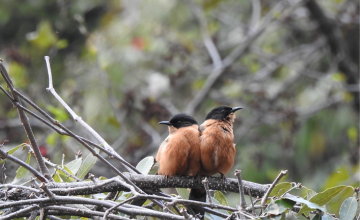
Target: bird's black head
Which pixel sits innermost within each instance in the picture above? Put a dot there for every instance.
(180, 120)
(221, 113)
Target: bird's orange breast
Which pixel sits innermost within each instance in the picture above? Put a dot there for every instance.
(217, 147)
(179, 154)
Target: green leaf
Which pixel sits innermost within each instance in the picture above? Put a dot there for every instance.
(21, 172)
(60, 114)
(19, 74)
(326, 217)
(217, 202)
(16, 148)
(212, 217)
(279, 206)
(285, 204)
(74, 165)
(123, 196)
(219, 196)
(322, 198)
(325, 196)
(337, 177)
(64, 176)
(145, 165)
(348, 208)
(57, 178)
(291, 216)
(44, 37)
(278, 217)
(51, 139)
(61, 44)
(310, 193)
(305, 202)
(316, 217)
(280, 189)
(184, 193)
(338, 77)
(352, 133)
(86, 166)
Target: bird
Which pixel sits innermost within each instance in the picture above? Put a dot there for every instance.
(217, 146)
(179, 153)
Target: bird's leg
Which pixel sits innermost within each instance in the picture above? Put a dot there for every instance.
(198, 177)
(223, 177)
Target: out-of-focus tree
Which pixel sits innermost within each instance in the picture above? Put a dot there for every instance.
(125, 65)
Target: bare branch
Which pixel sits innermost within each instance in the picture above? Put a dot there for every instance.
(208, 42)
(77, 118)
(241, 190)
(145, 182)
(126, 208)
(25, 121)
(264, 199)
(5, 155)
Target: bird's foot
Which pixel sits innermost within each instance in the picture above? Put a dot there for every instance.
(223, 177)
(198, 177)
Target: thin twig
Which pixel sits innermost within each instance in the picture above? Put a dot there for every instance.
(206, 186)
(62, 132)
(22, 211)
(75, 116)
(252, 203)
(11, 186)
(5, 155)
(47, 191)
(107, 213)
(208, 42)
(281, 174)
(241, 191)
(256, 13)
(68, 132)
(186, 215)
(25, 121)
(298, 185)
(84, 213)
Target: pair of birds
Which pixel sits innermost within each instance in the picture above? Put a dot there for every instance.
(203, 150)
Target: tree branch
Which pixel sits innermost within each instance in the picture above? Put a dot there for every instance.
(145, 182)
(25, 121)
(337, 46)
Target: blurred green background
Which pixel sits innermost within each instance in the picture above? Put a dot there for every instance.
(125, 65)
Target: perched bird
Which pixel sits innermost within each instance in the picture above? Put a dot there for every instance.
(217, 148)
(217, 141)
(179, 153)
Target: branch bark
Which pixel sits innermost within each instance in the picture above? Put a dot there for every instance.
(144, 182)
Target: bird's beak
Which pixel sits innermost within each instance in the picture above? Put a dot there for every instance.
(235, 109)
(165, 123)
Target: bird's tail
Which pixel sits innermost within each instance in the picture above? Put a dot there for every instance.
(200, 196)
